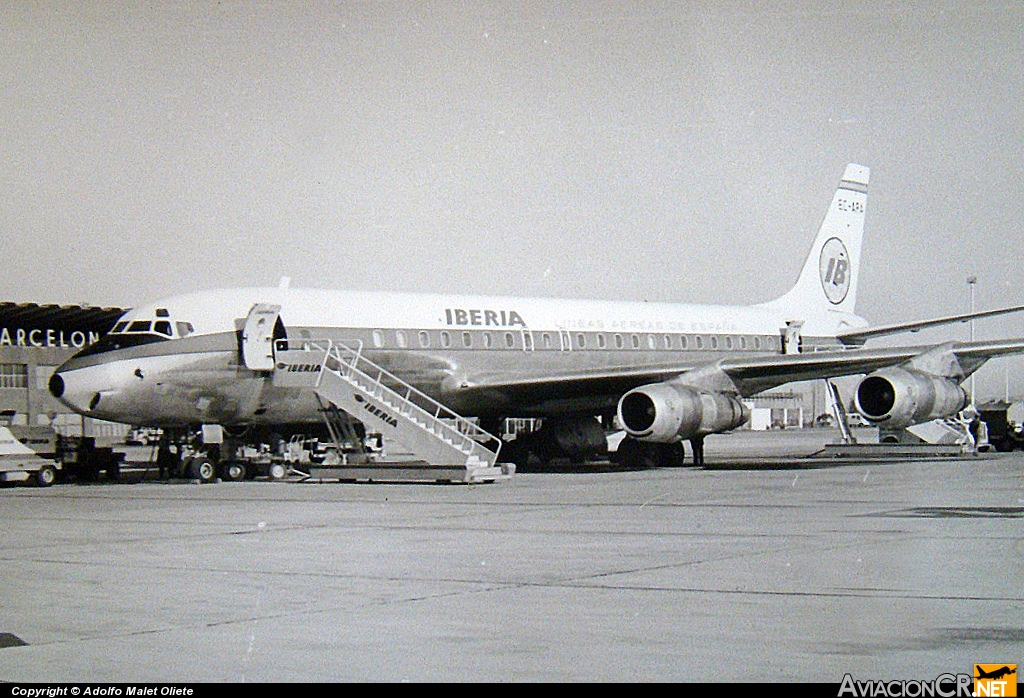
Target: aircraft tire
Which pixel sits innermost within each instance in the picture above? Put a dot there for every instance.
(234, 471)
(46, 476)
(672, 455)
(631, 454)
(277, 471)
(203, 469)
(516, 454)
(643, 455)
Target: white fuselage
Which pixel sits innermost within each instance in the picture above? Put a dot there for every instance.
(178, 361)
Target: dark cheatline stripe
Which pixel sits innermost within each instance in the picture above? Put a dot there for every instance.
(196, 344)
(853, 186)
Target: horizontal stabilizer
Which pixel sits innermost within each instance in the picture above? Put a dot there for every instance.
(861, 335)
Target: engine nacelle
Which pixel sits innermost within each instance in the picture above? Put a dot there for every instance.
(669, 412)
(898, 397)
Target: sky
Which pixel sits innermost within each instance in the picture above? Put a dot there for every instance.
(659, 151)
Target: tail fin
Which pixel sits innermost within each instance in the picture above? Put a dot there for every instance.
(828, 280)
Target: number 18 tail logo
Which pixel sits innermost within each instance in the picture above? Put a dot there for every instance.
(834, 266)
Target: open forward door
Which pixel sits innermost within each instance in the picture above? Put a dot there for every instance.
(262, 327)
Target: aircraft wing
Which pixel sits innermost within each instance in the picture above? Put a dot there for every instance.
(756, 374)
(861, 335)
(594, 389)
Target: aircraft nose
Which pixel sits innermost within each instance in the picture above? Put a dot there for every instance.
(79, 389)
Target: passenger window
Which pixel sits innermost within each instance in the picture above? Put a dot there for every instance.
(487, 340)
(668, 341)
(378, 338)
(467, 340)
(683, 342)
(601, 341)
(652, 343)
(728, 342)
(714, 342)
(581, 341)
(636, 341)
(446, 340)
(618, 341)
(546, 338)
(510, 340)
(400, 338)
(424, 339)
(700, 342)
(757, 342)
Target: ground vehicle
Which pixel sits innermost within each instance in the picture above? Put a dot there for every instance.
(76, 457)
(213, 452)
(18, 462)
(143, 436)
(83, 460)
(1002, 432)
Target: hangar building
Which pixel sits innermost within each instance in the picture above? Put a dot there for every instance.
(34, 340)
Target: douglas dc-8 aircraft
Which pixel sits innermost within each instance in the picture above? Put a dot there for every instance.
(669, 372)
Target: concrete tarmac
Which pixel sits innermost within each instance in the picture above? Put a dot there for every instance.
(762, 569)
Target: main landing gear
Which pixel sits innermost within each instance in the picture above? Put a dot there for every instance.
(642, 454)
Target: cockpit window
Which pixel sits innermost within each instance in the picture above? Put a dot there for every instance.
(113, 342)
(130, 333)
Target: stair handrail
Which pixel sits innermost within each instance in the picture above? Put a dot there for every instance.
(350, 356)
(358, 362)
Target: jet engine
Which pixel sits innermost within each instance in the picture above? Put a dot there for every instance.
(898, 397)
(668, 412)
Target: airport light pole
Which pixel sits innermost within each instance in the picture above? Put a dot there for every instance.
(971, 281)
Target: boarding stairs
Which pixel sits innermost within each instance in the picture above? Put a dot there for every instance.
(446, 446)
(938, 438)
(943, 431)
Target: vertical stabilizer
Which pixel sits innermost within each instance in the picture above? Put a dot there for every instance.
(828, 280)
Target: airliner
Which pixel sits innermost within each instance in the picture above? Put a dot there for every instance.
(670, 373)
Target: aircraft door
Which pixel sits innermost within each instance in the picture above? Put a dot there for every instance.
(565, 339)
(262, 326)
(792, 341)
(527, 340)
